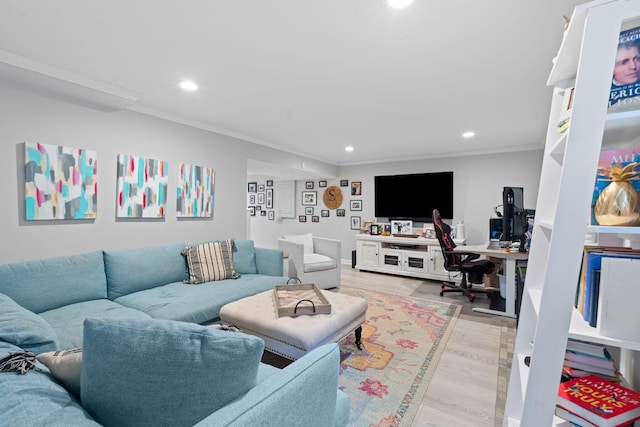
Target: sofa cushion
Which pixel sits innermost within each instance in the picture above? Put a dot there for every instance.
(65, 366)
(244, 257)
(24, 328)
(68, 321)
(54, 282)
(196, 304)
(163, 373)
(210, 262)
(133, 270)
(306, 240)
(37, 399)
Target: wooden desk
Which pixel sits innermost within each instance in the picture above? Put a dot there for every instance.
(510, 258)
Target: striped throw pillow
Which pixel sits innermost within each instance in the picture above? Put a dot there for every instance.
(210, 261)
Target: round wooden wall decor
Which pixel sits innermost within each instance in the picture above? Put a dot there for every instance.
(332, 197)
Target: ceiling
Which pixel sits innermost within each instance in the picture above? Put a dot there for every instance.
(306, 76)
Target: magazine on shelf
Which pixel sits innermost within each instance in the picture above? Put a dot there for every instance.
(625, 83)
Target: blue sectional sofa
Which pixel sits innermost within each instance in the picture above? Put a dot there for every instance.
(139, 301)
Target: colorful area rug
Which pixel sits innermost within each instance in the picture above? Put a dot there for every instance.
(404, 338)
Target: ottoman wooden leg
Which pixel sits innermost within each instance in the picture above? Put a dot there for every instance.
(358, 333)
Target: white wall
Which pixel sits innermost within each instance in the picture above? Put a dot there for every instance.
(28, 117)
(478, 183)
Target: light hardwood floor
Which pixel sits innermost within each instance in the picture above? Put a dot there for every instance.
(464, 391)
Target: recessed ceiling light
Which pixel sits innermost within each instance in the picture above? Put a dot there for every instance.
(188, 85)
(469, 134)
(348, 149)
(399, 3)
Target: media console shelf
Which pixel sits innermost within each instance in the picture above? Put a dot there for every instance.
(414, 257)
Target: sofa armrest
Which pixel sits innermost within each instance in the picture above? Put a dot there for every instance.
(303, 393)
(295, 251)
(269, 261)
(328, 247)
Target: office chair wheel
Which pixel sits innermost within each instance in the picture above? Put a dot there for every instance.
(442, 293)
(471, 298)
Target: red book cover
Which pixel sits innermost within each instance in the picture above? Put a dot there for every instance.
(600, 401)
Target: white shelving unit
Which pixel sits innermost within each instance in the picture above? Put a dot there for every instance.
(547, 316)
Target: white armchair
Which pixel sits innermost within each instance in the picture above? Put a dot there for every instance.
(313, 259)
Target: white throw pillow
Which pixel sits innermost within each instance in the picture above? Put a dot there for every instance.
(305, 239)
(65, 366)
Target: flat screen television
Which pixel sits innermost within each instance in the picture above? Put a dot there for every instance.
(514, 219)
(414, 196)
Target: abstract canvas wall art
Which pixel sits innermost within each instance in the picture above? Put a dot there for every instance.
(60, 182)
(194, 194)
(142, 187)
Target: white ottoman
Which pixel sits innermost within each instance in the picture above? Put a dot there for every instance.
(293, 337)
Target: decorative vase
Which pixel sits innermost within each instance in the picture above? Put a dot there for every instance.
(619, 203)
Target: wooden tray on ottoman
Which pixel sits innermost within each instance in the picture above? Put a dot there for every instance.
(296, 300)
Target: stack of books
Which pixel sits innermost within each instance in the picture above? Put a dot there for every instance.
(584, 358)
(593, 401)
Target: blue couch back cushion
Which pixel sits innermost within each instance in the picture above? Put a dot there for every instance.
(244, 257)
(54, 282)
(134, 270)
(25, 329)
(161, 372)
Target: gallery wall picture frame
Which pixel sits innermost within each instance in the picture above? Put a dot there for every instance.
(194, 192)
(263, 213)
(308, 185)
(324, 213)
(308, 211)
(272, 215)
(315, 218)
(356, 205)
(374, 229)
(261, 198)
(252, 210)
(252, 199)
(344, 183)
(269, 183)
(269, 201)
(356, 222)
(260, 188)
(258, 208)
(356, 188)
(322, 183)
(340, 212)
(302, 218)
(150, 179)
(252, 187)
(309, 198)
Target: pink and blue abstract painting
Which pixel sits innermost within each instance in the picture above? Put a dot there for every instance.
(60, 182)
(194, 196)
(142, 187)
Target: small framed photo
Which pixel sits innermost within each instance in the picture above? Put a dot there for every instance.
(386, 228)
(252, 210)
(308, 211)
(344, 183)
(356, 188)
(258, 208)
(374, 229)
(404, 226)
(308, 185)
(272, 215)
(252, 199)
(355, 222)
(252, 187)
(260, 188)
(302, 218)
(356, 205)
(261, 198)
(324, 213)
(315, 218)
(263, 213)
(269, 200)
(340, 212)
(269, 183)
(322, 183)
(309, 198)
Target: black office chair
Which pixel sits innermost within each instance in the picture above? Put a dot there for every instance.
(466, 263)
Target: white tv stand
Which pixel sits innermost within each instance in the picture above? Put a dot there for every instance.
(414, 257)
